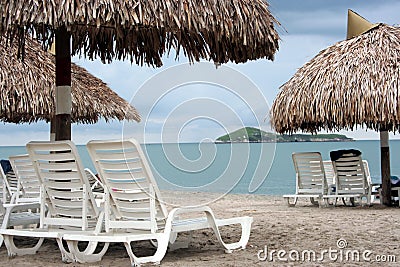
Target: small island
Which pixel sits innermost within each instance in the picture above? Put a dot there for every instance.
(255, 135)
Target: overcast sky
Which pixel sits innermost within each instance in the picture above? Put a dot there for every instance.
(180, 103)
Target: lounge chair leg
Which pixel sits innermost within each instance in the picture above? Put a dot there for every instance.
(153, 243)
(66, 256)
(162, 246)
(291, 204)
(244, 238)
(173, 244)
(13, 250)
(369, 198)
(321, 202)
(325, 202)
(315, 203)
(172, 237)
(351, 200)
(181, 243)
(88, 254)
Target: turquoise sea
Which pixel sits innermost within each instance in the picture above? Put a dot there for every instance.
(242, 168)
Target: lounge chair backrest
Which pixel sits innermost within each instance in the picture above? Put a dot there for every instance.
(132, 193)
(329, 172)
(2, 210)
(12, 181)
(310, 174)
(350, 172)
(28, 187)
(3, 186)
(367, 172)
(7, 191)
(64, 186)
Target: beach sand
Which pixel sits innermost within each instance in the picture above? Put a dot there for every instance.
(374, 231)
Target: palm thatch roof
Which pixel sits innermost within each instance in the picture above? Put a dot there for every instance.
(27, 90)
(142, 31)
(353, 82)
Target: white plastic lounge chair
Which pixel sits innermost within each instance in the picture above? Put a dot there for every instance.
(134, 210)
(331, 178)
(28, 188)
(65, 191)
(372, 187)
(12, 184)
(329, 174)
(310, 178)
(5, 194)
(393, 189)
(8, 190)
(9, 182)
(352, 176)
(19, 213)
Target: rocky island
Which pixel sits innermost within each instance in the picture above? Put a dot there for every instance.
(255, 135)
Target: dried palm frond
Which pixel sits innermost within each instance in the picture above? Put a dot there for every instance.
(27, 90)
(351, 83)
(142, 31)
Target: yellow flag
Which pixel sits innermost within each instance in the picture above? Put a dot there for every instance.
(357, 25)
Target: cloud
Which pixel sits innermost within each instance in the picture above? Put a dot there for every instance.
(186, 97)
(328, 18)
(19, 135)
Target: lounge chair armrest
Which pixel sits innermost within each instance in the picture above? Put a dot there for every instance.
(174, 213)
(214, 224)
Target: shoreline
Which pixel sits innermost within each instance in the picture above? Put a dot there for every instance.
(275, 227)
(297, 141)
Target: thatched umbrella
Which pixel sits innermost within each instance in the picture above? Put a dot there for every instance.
(352, 83)
(27, 90)
(142, 31)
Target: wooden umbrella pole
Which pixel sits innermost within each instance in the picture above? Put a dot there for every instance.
(53, 129)
(385, 169)
(63, 85)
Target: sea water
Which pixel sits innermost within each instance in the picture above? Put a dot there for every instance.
(241, 168)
